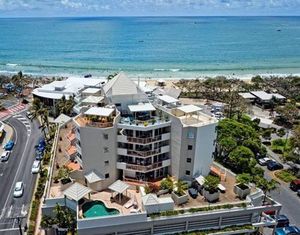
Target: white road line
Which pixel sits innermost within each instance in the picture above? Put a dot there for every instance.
(2, 213)
(19, 167)
(9, 212)
(8, 229)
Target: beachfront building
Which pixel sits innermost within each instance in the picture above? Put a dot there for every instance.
(134, 139)
(49, 94)
(129, 142)
(262, 98)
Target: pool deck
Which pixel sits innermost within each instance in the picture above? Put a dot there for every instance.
(105, 197)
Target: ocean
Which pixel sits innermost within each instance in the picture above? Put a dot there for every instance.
(165, 47)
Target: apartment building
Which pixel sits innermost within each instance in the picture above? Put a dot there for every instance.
(134, 139)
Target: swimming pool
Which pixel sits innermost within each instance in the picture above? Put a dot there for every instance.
(97, 208)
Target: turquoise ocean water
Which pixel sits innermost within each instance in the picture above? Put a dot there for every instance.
(151, 46)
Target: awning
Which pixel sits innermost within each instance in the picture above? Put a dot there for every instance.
(119, 186)
(189, 108)
(98, 111)
(168, 99)
(93, 177)
(200, 180)
(147, 107)
(76, 191)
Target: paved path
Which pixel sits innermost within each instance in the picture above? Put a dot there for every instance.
(12, 110)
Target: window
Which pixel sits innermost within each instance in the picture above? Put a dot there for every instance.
(105, 149)
(190, 135)
(106, 163)
(107, 176)
(105, 136)
(188, 160)
(190, 147)
(187, 172)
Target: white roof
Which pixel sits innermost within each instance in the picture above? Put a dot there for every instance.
(120, 85)
(76, 191)
(91, 91)
(99, 111)
(278, 96)
(49, 95)
(93, 99)
(247, 95)
(62, 118)
(163, 200)
(262, 95)
(119, 186)
(168, 99)
(150, 199)
(93, 176)
(141, 107)
(189, 108)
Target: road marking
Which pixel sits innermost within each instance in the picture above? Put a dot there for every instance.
(9, 229)
(2, 213)
(19, 167)
(9, 212)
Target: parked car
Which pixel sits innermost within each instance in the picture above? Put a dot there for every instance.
(193, 193)
(282, 221)
(264, 161)
(9, 145)
(39, 155)
(298, 193)
(36, 167)
(269, 212)
(19, 189)
(272, 166)
(41, 145)
(291, 230)
(295, 185)
(5, 155)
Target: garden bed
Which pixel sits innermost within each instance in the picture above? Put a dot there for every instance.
(285, 175)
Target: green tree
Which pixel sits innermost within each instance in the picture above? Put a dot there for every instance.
(240, 159)
(65, 218)
(244, 179)
(266, 186)
(65, 106)
(111, 76)
(38, 110)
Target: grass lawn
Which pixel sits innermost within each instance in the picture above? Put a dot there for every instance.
(285, 175)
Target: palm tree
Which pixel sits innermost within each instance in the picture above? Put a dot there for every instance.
(65, 218)
(65, 106)
(181, 187)
(267, 186)
(38, 110)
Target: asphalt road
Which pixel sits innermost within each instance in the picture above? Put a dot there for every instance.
(18, 168)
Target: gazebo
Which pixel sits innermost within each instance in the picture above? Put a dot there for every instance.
(76, 191)
(119, 187)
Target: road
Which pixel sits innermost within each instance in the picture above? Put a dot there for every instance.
(18, 168)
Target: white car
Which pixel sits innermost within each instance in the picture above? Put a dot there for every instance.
(264, 161)
(19, 189)
(36, 167)
(5, 156)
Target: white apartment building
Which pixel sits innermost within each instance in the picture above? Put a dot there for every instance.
(134, 139)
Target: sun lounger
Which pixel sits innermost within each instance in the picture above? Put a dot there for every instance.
(129, 204)
(221, 188)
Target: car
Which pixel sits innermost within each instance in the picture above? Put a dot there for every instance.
(298, 193)
(19, 189)
(39, 155)
(41, 145)
(193, 193)
(5, 155)
(36, 167)
(282, 221)
(291, 230)
(264, 161)
(9, 145)
(295, 185)
(272, 166)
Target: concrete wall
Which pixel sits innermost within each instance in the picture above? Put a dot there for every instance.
(204, 148)
(96, 150)
(141, 224)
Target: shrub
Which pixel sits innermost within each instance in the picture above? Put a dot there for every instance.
(243, 179)
(211, 183)
(167, 183)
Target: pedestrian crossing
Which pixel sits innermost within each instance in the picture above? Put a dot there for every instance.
(12, 110)
(25, 121)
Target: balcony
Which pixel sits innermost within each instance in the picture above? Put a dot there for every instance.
(141, 168)
(151, 123)
(143, 153)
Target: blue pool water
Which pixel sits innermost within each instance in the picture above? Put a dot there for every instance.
(97, 208)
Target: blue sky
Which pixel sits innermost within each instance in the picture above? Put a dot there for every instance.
(27, 8)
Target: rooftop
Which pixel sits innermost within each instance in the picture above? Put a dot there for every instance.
(99, 111)
(143, 107)
(91, 91)
(167, 99)
(247, 95)
(93, 99)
